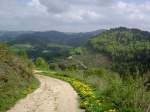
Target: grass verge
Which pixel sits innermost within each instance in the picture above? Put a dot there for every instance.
(9, 98)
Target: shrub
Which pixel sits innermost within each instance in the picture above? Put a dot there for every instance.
(41, 63)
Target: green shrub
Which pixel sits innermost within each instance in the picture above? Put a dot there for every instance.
(41, 63)
(129, 95)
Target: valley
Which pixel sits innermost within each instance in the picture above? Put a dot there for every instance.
(74, 56)
(109, 70)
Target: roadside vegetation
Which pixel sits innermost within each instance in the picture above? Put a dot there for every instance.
(88, 98)
(16, 78)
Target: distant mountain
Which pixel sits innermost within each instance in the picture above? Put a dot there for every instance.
(47, 37)
(48, 44)
(79, 39)
(11, 35)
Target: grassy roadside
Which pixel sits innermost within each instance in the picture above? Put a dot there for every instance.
(16, 78)
(9, 99)
(88, 98)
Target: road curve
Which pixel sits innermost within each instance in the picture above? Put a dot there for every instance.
(53, 95)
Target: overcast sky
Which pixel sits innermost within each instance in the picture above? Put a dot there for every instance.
(73, 15)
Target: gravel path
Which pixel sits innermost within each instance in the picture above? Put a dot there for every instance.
(53, 95)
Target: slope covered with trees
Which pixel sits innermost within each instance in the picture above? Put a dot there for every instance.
(129, 49)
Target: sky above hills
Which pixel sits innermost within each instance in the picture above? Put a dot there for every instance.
(73, 15)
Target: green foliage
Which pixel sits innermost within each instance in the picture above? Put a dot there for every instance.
(128, 48)
(129, 94)
(16, 79)
(77, 51)
(41, 63)
(23, 55)
(46, 51)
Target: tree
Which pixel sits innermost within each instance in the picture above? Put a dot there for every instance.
(41, 63)
(23, 55)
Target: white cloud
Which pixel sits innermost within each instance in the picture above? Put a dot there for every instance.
(73, 15)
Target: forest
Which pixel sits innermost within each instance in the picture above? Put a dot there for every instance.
(129, 49)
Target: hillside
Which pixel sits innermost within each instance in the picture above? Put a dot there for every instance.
(125, 50)
(129, 49)
(16, 79)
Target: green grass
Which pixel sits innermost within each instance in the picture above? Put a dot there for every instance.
(9, 96)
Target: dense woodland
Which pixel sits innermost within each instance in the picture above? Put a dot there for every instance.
(128, 48)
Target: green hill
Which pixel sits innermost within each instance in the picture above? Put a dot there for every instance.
(129, 49)
(16, 79)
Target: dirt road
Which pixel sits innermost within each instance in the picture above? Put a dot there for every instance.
(53, 95)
